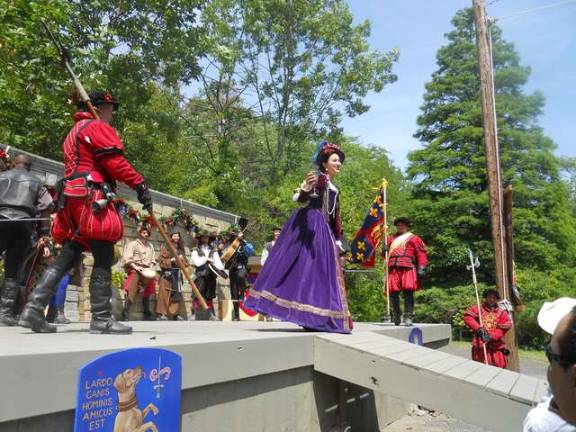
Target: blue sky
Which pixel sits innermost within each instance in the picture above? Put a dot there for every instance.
(545, 40)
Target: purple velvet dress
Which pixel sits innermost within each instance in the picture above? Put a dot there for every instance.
(302, 280)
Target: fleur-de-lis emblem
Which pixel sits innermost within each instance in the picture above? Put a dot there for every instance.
(360, 256)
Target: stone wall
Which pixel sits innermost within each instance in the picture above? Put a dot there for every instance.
(77, 299)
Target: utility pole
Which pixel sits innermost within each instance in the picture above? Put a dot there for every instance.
(493, 164)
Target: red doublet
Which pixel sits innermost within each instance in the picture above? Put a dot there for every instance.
(496, 322)
(403, 262)
(93, 148)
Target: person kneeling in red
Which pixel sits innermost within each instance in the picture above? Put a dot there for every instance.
(495, 323)
(86, 215)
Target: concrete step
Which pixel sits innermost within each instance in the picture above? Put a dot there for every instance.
(491, 397)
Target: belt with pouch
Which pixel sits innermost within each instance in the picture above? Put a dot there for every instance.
(77, 185)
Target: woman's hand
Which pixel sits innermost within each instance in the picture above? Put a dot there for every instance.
(311, 179)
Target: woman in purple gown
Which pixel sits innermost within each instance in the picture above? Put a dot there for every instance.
(302, 280)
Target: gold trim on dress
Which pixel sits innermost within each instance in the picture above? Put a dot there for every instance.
(290, 304)
(342, 286)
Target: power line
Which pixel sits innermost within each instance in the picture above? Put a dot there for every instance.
(534, 10)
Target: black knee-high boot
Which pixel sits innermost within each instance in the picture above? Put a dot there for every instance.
(33, 315)
(408, 307)
(236, 316)
(148, 315)
(51, 314)
(61, 316)
(395, 303)
(126, 309)
(100, 294)
(7, 302)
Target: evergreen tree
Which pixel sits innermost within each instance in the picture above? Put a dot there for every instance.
(449, 174)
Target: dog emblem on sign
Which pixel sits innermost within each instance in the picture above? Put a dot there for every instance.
(136, 390)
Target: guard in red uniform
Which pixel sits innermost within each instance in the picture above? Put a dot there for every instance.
(86, 217)
(496, 322)
(407, 261)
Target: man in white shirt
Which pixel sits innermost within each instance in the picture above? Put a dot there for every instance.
(269, 245)
(557, 411)
(203, 257)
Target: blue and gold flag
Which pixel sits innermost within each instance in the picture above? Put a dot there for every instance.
(369, 235)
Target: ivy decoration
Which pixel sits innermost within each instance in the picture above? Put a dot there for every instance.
(179, 216)
(166, 220)
(134, 215)
(183, 217)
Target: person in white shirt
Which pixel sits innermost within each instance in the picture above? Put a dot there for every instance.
(269, 245)
(557, 410)
(207, 261)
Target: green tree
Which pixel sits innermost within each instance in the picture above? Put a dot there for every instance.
(450, 204)
(123, 46)
(247, 132)
(296, 66)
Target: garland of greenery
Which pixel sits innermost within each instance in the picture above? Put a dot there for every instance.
(179, 216)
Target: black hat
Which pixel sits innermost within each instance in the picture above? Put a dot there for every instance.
(490, 291)
(402, 220)
(102, 98)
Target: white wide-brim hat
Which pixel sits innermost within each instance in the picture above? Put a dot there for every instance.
(552, 312)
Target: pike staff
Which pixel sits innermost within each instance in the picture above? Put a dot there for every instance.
(474, 264)
(86, 99)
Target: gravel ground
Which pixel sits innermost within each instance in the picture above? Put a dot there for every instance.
(426, 421)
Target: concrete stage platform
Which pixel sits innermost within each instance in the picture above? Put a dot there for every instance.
(248, 376)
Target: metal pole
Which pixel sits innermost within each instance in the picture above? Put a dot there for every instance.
(475, 282)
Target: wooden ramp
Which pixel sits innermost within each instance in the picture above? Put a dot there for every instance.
(482, 395)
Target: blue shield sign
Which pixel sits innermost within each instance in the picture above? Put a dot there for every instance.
(132, 390)
(416, 336)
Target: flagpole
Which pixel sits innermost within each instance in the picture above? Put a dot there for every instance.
(385, 228)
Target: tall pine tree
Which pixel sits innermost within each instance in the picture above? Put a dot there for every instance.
(449, 173)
